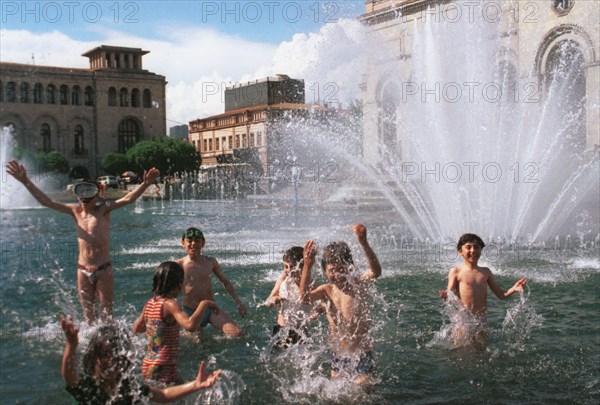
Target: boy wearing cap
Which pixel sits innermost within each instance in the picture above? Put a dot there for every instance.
(94, 273)
(197, 284)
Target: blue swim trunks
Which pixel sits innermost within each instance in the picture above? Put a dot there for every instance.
(189, 311)
(364, 365)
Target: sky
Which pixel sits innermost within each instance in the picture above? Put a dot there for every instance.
(199, 46)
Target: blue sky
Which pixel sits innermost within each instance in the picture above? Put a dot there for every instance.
(199, 46)
(264, 21)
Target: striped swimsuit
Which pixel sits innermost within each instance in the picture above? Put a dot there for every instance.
(160, 363)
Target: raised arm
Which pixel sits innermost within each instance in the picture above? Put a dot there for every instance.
(68, 368)
(308, 295)
(150, 177)
(500, 293)
(176, 392)
(19, 172)
(374, 270)
(229, 287)
(191, 323)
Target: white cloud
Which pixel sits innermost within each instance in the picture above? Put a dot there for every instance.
(199, 62)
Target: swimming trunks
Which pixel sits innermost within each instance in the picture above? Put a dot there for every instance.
(92, 272)
(189, 311)
(349, 365)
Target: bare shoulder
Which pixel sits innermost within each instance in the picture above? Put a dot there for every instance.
(485, 271)
(454, 271)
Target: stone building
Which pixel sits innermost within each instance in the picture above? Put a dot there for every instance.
(532, 37)
(84, 113)
(246, 130)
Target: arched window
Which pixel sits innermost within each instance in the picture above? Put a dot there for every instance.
(388, 108)
(89, 96)
(123, 97)
(112, 97)
(566, 89)
(63, 94)
(147, 101)
(76, 95)
(37, 93)
(78, 146)
(51, 94)
(129, 134)
(135, 98)
(10, 92)
(45, 134)
(24, 92)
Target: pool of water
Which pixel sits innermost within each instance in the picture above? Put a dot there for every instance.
(543, 347)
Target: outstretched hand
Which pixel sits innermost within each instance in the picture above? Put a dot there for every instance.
(206, 381)
(310, 252)
(17, 170)
(519, 285)
(151, 175)
(70, 330)
(361, 233)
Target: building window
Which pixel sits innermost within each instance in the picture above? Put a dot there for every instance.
(51, 94)
(24, 92)
(244, 141)
(205, 145)
(129, 134)
(216, 143)
(63, 94)
(237, 141)
(89, 96)
(78, 136)
(210, 145)
(251, 139)
(10, 92)
(135, 98)
(75, 95)
(45, 134)
(37, 93)
(147, 99)
(123, 97)
(112, 97)
(230, 144)
(223, 140)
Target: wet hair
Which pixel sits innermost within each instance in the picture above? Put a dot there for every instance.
(294, 255)
(108, 341)
(469, 238)
(192, 233)
(336, 252)
(168, 276)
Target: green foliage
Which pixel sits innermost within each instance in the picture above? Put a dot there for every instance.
(166, 154)
(52, 162)
(115, 163)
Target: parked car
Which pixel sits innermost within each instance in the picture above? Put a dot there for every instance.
(71, 186)
(109, 181)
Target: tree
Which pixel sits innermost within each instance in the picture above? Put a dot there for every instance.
(166, 154)
(52, 162)
(115, 163)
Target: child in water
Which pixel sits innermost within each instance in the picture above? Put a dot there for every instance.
(345, 299)
(161, 318)
(469, 283)
(286, 294)
(107, 371)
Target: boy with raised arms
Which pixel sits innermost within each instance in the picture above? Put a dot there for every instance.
(94, 275)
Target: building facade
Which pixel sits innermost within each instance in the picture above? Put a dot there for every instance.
(250, 133)
(84, 113)
(532, 38)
